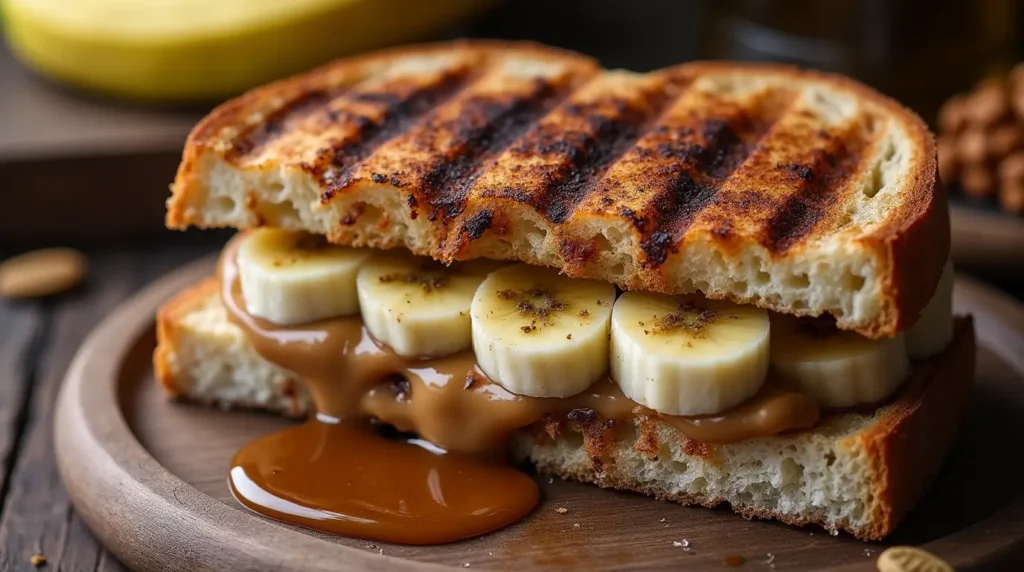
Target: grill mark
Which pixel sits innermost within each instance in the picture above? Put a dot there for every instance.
(826, 172)
(592, 156)
(699, 169)
(478, 224)
(256, 137)
(485, 128)
(399, 115)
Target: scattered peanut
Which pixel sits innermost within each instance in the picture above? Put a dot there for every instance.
(981, 141)
(1011, 198)
(988, 104)
(972, 146)
(1011, 170)
(1003, 140)
(42, 273)
(911, 559)
(952, 116)
(977, 181)
(949, 165)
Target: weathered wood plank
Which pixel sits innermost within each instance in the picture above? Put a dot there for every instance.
(39, 518)
(21, 326)
(109, 563)
(81, 550)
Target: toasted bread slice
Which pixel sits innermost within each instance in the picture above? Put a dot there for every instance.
(797, 191)
(858, 472)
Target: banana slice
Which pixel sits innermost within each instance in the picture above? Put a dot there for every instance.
(934, 327)
(292, 277)
(837, 368)
(685, 355)
(539, 333)
(416, 305)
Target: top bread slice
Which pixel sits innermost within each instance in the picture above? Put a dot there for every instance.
(800, 192)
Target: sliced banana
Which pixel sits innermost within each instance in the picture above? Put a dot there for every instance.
(290, 277)
(685, 355)
(837, 368)
(934, 328)
(539, 333)
(418, 306)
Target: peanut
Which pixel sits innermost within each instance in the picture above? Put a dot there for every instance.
(41, 273)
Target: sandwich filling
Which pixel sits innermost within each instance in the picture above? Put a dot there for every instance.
(419, 373)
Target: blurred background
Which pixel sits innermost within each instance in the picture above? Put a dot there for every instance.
(97, 96)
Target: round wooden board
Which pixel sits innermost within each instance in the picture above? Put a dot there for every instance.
(984, 240)
(149, 477)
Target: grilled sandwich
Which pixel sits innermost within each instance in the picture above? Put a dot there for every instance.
(711, 283)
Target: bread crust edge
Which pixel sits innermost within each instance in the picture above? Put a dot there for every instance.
(909, 446)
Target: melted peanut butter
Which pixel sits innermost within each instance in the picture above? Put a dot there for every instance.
(342, 477)
(336, 474)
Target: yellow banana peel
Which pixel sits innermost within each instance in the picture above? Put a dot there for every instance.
(201, 50)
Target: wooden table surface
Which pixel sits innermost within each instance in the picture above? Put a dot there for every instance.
(37, 342)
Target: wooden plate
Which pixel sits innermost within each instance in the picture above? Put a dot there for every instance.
(148, 476)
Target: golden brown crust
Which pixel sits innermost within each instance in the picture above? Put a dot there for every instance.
(915, 239)
(909, 443)
(474, 146)
(217, 132)
(168, 334)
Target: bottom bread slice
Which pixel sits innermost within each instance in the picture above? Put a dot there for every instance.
(860, 472)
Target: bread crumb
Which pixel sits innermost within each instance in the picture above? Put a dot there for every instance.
(663, 520)
(551, 481)
(37, 560)
(684, 544)
(465, 564)
(575, 525)
(561, 510)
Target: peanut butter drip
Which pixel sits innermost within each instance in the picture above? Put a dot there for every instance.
(450, 405)
(343, 477)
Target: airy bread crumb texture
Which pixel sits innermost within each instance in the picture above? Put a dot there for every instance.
(811, 477)
(856, 472)
(205, 358)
